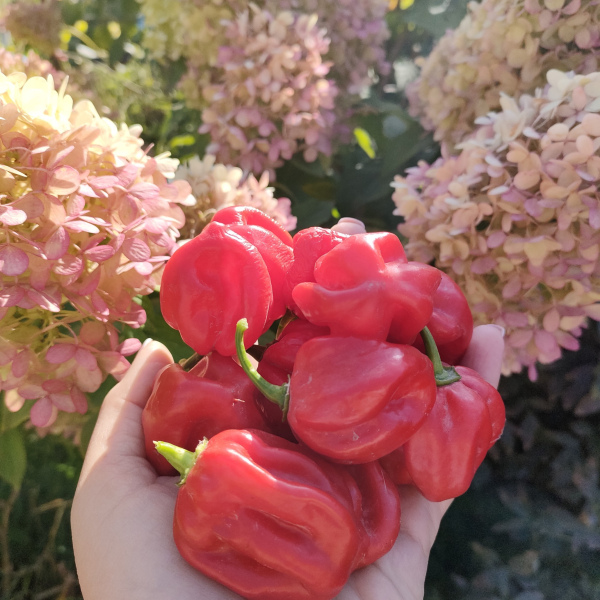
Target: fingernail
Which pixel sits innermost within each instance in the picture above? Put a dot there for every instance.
(147, 341)
(499, 328)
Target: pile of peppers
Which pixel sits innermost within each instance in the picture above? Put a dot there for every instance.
(290, 454)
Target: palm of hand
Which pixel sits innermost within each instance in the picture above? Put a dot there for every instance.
(122, 512)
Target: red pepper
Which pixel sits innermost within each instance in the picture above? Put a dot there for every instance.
(265, 517)
(272, 241)
(350, 399)
(277, 364)
(309, 245)
(451, 323)
(210, 283)
(187, 406)
(467, 418)
(378, 511)
(364, 287)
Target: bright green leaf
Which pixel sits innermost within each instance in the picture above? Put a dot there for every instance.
(182, 140)
(13, 458)
(365, 141)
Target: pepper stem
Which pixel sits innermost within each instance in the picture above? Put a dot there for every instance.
(279, 394)
(180, 458)
(443, 375)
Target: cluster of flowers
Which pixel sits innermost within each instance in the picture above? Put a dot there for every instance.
(501, 46)
(35, 24)
(265, 74)
(269, 96)
(31, 64)
(215, 186)
(515, 217)
(87, 221)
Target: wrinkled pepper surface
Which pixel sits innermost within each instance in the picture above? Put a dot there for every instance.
(341, 415)
(365, 287)
(187, 406)
(229, 271)
(451, 323)
(468, 417)
(265, 517)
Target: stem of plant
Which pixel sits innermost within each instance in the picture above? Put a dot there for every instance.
(180, 458)
(279, 394)
(443, 375)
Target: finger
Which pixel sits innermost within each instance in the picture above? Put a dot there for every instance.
(119, 426)
(485, 352)
(137, 384)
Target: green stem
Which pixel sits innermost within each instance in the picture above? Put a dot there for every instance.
(443, 375)
(187, 364)
(279, 394)
(180, 458)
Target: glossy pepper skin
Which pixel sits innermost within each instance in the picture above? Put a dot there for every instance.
(277, 364)
(348, 418)
(232, 269)
(441, 458)
(451, 323)
(210, 283)
(365, 287)
(270, 239)
(309, 245)
(187, 406)
(378, 512)
(267, 518)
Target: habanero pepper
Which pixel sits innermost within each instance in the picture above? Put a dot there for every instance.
(277, 364)
(309, 245)
(187, 406)
(209, 283)
(365, 287)
(272, 241)
(468, 417)
(451, 323)
(377, 509)
(264, 517)
(352, 400)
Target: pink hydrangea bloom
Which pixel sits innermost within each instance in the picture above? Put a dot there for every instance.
(215, 186)
(514, 217)
(87, 221)
(269, 96)
(501, 46)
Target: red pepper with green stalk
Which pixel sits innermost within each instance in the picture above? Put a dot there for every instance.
(350, 399)
(365, 287)
(277, 364)
(265, 517)
(271, 519)
(186, 406)
(468, 417)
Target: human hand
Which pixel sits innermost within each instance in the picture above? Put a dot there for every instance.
(122, 512)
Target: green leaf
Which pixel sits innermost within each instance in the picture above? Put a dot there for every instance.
(182, 140)
(13, 459)
(365, 141)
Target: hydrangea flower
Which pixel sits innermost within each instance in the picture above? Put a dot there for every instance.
(269, 96)
(87, 221)
(35, 24)
(215, 186)
(501, 46)
(266, 74)
(514, 218)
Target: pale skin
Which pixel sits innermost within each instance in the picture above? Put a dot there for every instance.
(122, 511)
